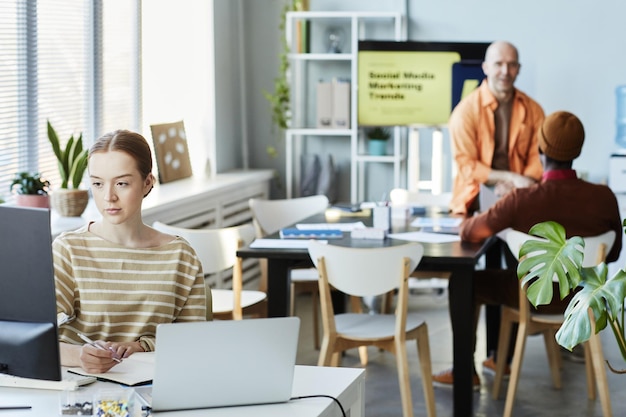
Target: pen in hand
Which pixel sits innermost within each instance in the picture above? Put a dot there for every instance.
(97, 345)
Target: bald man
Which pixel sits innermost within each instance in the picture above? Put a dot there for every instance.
(493, 132)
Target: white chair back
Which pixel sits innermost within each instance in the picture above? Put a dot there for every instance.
(365, 271)
(216, 248)
(272, 215)
(595, 250)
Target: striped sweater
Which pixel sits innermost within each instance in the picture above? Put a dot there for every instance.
(119, 294)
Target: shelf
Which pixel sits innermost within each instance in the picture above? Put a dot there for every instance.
(310, 67)
(344, 15)
(380, 158)
(320, 57)
(319, 132)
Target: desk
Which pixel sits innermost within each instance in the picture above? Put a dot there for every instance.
(345, 384)
(458, 257)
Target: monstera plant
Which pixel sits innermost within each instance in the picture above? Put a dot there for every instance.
(557, 256)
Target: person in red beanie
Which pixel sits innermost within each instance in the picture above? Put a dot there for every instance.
(583, 208)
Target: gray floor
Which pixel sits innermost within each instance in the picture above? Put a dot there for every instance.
(536, 396)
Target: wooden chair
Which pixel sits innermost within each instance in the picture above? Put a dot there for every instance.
(362, 272)
(532, 323)
(269, 216)
(217, 250)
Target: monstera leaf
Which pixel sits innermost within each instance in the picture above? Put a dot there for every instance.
(604, 298)
(551, 258)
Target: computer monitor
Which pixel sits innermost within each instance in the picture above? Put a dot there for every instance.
(29, 345)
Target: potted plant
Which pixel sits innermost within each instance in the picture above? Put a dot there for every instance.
(604, 296)
(31, 190)
(69, 200)
(280, 99)
(377, 140)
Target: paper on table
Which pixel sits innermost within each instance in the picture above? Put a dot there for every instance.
(137, 369)
(436, 222)
(425, 237)
(282, 243)
(344, 227)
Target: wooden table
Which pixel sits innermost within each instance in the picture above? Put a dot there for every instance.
(459, 258)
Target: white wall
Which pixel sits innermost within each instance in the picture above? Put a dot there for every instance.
(573, 55)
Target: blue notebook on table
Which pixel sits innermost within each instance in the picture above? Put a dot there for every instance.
(294, 233)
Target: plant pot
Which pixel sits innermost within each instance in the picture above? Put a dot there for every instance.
(70, 203)
(32, 200)
(377, 147)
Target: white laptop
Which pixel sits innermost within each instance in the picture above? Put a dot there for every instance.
(224, 363)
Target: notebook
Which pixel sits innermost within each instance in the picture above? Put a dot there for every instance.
(224, 363)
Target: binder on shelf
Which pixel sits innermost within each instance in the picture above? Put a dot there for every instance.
(295, 233)
(341, 104)
(303, 38)
(324, 105)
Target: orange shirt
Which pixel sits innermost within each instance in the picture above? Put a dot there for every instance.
(472, 128)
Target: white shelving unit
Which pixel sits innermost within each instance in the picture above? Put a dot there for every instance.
(301, 76)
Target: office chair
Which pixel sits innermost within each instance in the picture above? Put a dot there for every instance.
(269, 216)
(530, 323)
(217, 250)
(360, 272)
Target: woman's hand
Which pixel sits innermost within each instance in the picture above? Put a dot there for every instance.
(125, 349)
(95, 360)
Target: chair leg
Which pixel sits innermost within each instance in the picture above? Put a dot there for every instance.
(423, 353)
(316, 330)
(403, 378)
(597, 358)
(335, 359)
(326, 352)
(516, 367)
(589, 371)
(363, 355)
(552, 349)
(506, 325)
(292, 301)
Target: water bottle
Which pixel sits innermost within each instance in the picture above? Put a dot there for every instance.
(620, 137)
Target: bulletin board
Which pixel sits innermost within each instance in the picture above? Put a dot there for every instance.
(171, 151)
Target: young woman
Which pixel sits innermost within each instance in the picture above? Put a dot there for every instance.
(117, 278)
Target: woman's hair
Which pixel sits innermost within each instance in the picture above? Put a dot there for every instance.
(132, 143)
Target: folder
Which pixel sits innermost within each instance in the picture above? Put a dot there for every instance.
(341, 104)
(295, 233)
(324, 105)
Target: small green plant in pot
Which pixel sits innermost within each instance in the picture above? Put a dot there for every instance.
(555, 255)
(377, 140)
(31, 189)
(69, 200)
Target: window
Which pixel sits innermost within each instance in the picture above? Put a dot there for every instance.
(79, 65)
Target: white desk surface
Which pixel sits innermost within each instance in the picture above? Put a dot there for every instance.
(345, 384)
